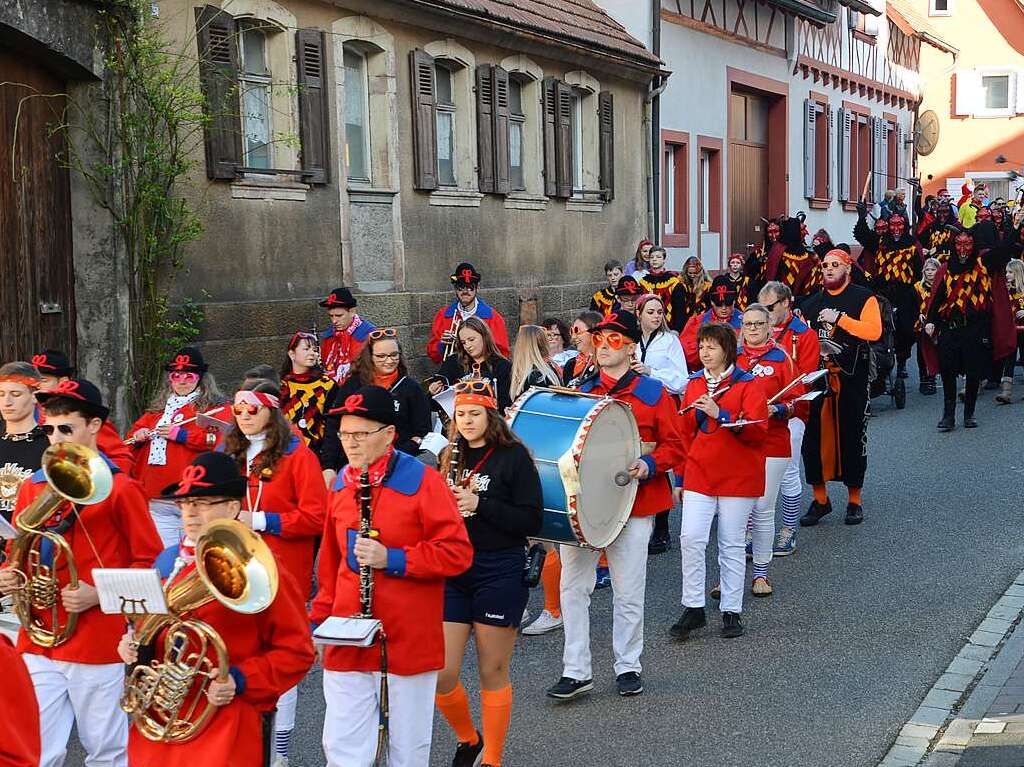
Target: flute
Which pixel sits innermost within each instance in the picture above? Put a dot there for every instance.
(365, 571)
(714, 396)
(209, 413)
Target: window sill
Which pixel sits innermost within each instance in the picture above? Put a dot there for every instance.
(851, 207)
(994, 114)
(583, 206)
(820, 203)
(677, 240)
(256, 187)
(524, 201)
(455, 198)
(370, 196)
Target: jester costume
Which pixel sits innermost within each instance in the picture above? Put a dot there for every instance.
(769, 251)
(794, 265)
(603, 301)
(305, 400)
(688, 299)
(937, 236)
(662, 284)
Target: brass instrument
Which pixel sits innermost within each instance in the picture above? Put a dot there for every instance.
(75, 475)
(165, 699)
(449, 348)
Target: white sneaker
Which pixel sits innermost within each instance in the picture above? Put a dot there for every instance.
(545, 622)
(279, 761)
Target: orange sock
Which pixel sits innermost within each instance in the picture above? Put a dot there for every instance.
(454, 706)
(551, 576)
(496, 710)
(820, 494)
(855, 495)
(603, 561)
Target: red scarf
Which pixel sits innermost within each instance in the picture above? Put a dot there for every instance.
(378, 469)
(607, 381)
(385, 381)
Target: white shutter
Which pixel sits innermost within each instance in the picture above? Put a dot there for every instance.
(901, 169)
(846, 118)
(830, 153)
(810, 145)
(1019, 95)
(878, 179)
(968, 91)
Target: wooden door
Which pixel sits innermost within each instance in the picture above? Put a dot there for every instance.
(36, 269)
(748, 194)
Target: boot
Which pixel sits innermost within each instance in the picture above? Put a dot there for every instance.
(1005, 396)
(948, 422)
(970, 400)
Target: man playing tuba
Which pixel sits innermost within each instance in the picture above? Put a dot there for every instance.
(68, 645)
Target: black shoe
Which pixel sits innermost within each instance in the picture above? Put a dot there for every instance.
(992, 385)
(814, 513)
(948, 422)
(629, 684)
(927, 386)
(466, 755)
(901, 370)
(731, 626)
(692, 619)
(567, 688)
(854, 514)
(659, 543)
(969, 422)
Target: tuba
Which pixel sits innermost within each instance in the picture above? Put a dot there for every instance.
(165, 698)
(75, 475)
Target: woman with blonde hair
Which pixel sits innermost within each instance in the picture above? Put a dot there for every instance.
(1015, 286)
(691, 297)
(531, 361)
(923, 288)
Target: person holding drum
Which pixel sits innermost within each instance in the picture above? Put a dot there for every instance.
(583, 365)
(477, 356)
(498, 492)
(724, 413)
(615, 340)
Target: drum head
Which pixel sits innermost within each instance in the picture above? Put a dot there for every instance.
(610, 446)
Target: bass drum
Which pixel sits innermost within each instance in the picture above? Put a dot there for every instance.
(583, 446)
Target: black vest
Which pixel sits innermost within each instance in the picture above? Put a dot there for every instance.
(851, 301)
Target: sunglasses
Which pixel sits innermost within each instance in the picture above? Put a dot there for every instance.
(245, 407)
(612, 340)
(474, 387)
(178, 377)
(64, 428)
(376, 335)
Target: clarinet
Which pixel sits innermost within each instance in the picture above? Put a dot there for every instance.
(453, 463)
(365, 571)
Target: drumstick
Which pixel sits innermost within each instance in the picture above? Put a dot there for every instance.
(714, 396)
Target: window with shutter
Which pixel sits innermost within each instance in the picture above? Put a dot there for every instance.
(357, 115)
(810, 146)
(502, 115)
(485, 127)
(606, 144)
(313, 108)
(216, 37)
(516, 134)
(565, 110)
(549, 112)
(424, 129)
(878, 146)
(846, 156)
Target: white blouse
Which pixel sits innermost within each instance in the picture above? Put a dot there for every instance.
(663, 354)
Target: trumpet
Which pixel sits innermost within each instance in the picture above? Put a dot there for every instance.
(165, 699)
(449, 348)
(75, 475)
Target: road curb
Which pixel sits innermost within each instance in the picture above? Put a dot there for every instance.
(937, 733)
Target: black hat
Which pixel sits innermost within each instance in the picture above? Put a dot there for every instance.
(187, 360)
(465, 274)
(620, 322)
(81, 391)
(209, 475)
(628, 286)
(340, 298)
(723, 291)
(53, 363)
(374, 403)
(792, 231)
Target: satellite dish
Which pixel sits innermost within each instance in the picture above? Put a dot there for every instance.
(926, 133)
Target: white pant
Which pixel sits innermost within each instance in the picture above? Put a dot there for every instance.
(85, 694)
(763, 533)
(698, 512)
(627, 565)
(167, 518)
(353, 711)
(284, 719)
(792, 486)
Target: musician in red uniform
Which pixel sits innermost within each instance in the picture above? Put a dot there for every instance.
(466, 280)
(341, 342)
(724, 475)
(723, 309)
(285, 501)
(19, 712)
(78, 682)
(615, 340)
(54, 367)
(268, 651)
(166, 438)
(418, 539)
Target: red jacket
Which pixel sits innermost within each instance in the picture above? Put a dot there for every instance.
(801, 343)
(657, 417)
(123, 534)
(339, 349)
(722, 461)
(19, 712)
(112, 446)
(688, 338)
(415, 513)
(187, 442)
(294, 499)
(774, 370)
(484, 312)
(269, 653)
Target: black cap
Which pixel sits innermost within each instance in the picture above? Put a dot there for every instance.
(79, 391)
(628, 286)
(465, 274)
(187, 360)
(209, 475)
(52, 363)
(374, 403)
(340, 298)
(723, 291)
(620, 322)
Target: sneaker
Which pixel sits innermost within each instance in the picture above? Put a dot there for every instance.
(659, 543)
(761, 587)
(731, 626)
(814, 513)
(750, 545)
(629, 684)
(467, 755)
(692, 619)
(785, 542)
(567, 689)
(947, 423)
(526, 617)
(545, 622)
(716, 592)
(854, 514)
(279, 760)
(969, 422)
(604, 578)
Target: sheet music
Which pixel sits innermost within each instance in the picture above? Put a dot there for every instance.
(434, 442)
(8, 531)
(446, 399)
(130, 591)
(212, 419)
(353, 632)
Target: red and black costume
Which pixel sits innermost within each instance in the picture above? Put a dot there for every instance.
(661, 284)
(936, 237)
(794, 265)
(603, 300)
(767, 252)
(688, 299)
(339, 348)
(305, 400)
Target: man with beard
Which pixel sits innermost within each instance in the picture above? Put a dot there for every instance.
(835, 444)
(896, 267)
(968, 314)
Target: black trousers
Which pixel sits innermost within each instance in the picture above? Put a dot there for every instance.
(835, 446)
(907, 306)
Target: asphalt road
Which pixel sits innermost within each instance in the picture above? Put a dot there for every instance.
(863, 621)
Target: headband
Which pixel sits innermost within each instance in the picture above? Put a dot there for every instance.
(31, 383)
(257, 398)
(475, 393)
(842, 255)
